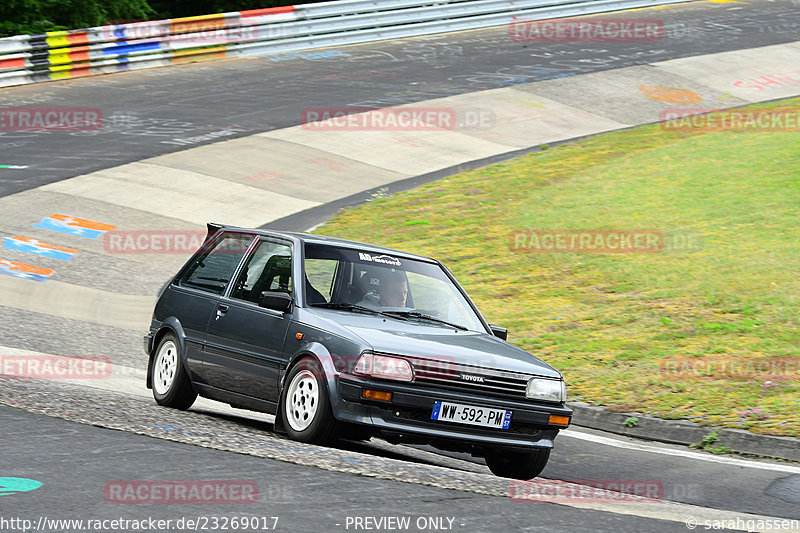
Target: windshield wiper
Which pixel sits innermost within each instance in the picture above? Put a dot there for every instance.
(417, 314)
(355, 307)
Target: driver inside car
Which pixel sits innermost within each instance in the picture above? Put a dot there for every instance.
(389, 291)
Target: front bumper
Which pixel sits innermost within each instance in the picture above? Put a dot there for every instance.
(408, 415)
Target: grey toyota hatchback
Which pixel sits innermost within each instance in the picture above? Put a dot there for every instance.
(344, 339)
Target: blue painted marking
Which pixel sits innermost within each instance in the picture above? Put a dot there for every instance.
(14, 485)
(64, 226)
(20, 270)
(307, 55)
(125, 48)
(12, 243)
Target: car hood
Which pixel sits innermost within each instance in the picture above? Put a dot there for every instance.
(418, 339)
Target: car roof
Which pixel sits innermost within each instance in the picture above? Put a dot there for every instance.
(308, 238)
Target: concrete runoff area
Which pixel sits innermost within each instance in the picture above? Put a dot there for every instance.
(298, 171)
(414, 152)
(181, 194)
(755, 75)
(78, 302)
(635, 95)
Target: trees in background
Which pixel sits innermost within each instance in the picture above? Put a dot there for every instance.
(38, 16)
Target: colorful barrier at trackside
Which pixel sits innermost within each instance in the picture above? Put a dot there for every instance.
(107, 49)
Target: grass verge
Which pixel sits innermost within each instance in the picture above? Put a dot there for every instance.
(722, 294)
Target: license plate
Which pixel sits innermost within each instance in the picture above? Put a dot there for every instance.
(468, 414)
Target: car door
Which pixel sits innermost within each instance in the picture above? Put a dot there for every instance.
(194, 297)
(244, 346)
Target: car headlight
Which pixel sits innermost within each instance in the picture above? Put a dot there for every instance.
(549, 390)
(384, 367)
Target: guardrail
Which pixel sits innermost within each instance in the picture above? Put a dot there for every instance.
(107, 49)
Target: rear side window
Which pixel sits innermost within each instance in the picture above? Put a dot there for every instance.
(268, 269)
(213, 270)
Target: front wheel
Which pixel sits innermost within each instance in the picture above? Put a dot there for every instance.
(171, 386)
(518, 465)
(307, 410)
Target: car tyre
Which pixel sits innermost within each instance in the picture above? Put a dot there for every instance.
(307, 413)
(518, 465)
(171, 385)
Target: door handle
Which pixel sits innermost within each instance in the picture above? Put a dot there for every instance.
(221, 310)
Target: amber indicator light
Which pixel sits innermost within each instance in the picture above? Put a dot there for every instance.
(369, 394)
(560, 420)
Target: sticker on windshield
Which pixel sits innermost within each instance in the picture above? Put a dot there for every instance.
(383, 259)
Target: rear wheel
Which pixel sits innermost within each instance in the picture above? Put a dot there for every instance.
(307, 413)
(518, 465)
(171, 386)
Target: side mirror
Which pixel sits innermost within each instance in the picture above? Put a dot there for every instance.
(499, 332)
(277, 301)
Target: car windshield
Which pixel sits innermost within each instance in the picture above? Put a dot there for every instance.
(360, 281)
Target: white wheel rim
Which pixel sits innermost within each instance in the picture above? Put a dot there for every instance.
(302, 400)
(166, 366)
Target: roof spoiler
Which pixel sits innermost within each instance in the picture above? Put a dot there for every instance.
(213, 227)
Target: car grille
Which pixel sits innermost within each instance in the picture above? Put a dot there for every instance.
(480, 380)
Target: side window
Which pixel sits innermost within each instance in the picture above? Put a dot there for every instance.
(212, 271)
(268, 269)
(319, 273)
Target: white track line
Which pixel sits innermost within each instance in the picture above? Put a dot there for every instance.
(732, 461)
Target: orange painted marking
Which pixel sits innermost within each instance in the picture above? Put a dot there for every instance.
(83, 223)
(22, 267)
(12, 63)
(267, 11)
(76, 57)
(197, 57)
(670, 95)
(78, 38)
(195, 24)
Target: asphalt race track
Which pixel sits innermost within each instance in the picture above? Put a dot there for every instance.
(78, 438)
